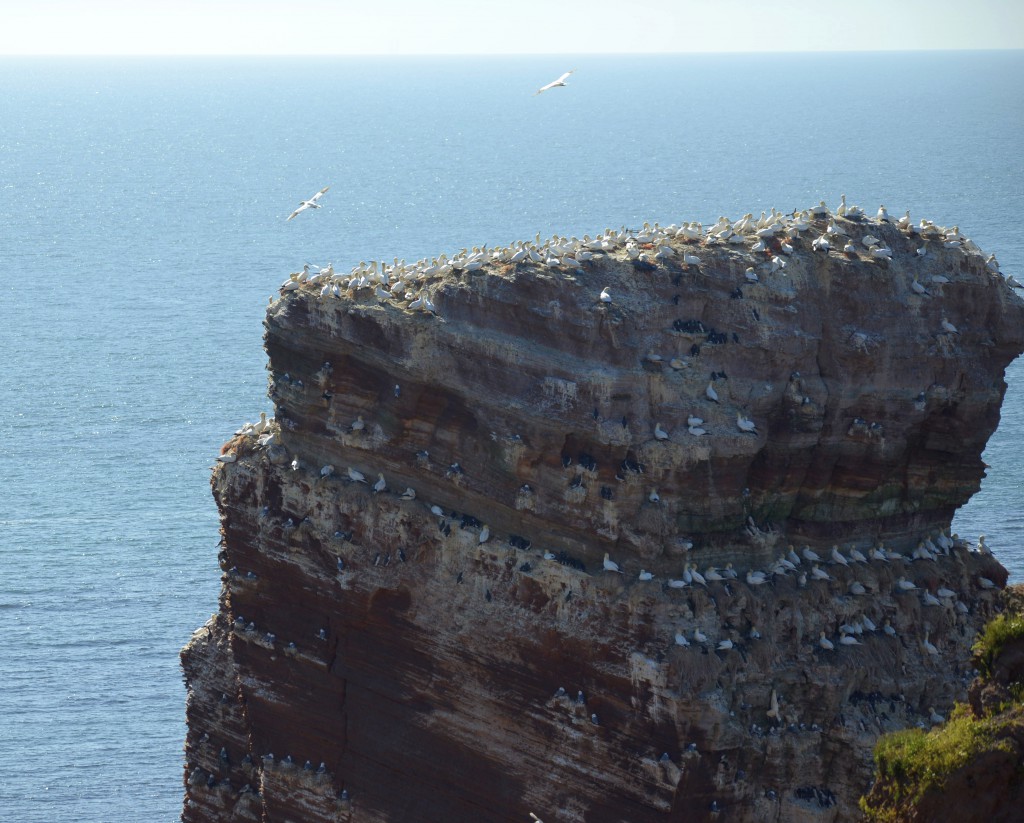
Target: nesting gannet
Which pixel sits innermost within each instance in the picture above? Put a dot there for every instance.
(659, 432)
(929, 599)
(309, 204)
(837, 557)
(810, 555)
(821, 244)
(724, 645)
(985, 583)
(485, 534)
(857, 556)
(819, 573)
(883, 215)
(928, 646)
(745, 424)
(699, 636)
(710, 393)
(380, 485)
(773, 703)
(868, 624)
(654, 497)
(605, 296)
(554, 83)
(904, 585)
(696, 431)
(409, 494)
(849, 640)
(610, 565)
(935, 717)
(825, 643)
(856, 587)
(356, 476)
(948, 327)
(226, 458)
(693, 420)
(645, 575)
(888, 628)
(325, 471)
(681, 639)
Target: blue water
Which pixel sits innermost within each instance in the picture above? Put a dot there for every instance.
(142, 207)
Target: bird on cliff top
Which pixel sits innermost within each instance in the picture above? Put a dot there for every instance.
(380, 485)
(710, 393)
(226, 458)
(409, 494)
(825, 643)
(810, 555)
(948, 327)
(745, 424)
(659, 432)
(837, 557)
(309, 204)
(724, 645)
(605, 296)
(356, 476)
(645, 575)
(699, 636)
(610, 565)
(554, 83)
(681, 639)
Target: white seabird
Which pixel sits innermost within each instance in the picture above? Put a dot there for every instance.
(948, 327)
(409, 494)
(309, 204)
(485, 534)
(226, 458)
(825, 643)
(645, 575)
(554, 83)
(610, 565)
(605, 296)
(681, 639)
(356, 476)
(659, 432)
(744, 424)
(381, 484)
(710, 393)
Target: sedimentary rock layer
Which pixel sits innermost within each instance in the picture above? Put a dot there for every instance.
(451, 644)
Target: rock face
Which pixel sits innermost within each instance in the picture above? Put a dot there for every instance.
(452, 647)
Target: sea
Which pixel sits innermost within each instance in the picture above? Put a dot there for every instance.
(142, 230)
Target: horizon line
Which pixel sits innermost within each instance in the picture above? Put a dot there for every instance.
(493, 54)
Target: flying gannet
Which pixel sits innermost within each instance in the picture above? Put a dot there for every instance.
(309, 204)
(554, 83)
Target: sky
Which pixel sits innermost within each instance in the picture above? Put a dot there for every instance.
(344, 27)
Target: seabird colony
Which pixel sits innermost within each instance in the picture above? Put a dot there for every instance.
(769, 238)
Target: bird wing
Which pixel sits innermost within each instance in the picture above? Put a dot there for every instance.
(564, 77)
(318, 195)
(302, 207)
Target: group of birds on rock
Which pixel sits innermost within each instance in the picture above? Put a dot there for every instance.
(770, 238)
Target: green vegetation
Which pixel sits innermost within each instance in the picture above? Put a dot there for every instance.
(1004, 629)
(913, 762)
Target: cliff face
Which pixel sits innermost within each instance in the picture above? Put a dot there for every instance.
(452, 647)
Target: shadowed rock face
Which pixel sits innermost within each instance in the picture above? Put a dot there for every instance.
(427, 666)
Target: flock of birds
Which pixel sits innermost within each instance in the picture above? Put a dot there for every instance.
(770, 238)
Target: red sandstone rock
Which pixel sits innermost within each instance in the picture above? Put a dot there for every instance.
(425, 673)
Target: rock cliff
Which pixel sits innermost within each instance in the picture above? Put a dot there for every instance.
(420, 616)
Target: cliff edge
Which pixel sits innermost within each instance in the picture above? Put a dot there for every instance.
(650, 526)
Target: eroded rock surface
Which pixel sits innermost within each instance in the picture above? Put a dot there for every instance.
(412, 672)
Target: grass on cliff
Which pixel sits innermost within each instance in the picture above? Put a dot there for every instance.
(1004, 629)
(912, 762)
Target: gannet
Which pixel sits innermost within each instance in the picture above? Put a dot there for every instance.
(819, 573)
(724, 645)
(927, 646)
(699, 636)
(821, 244)
(485, 534)
(605, 297)
(744, 424)
(308, 204)
(810, 555)
(849, 640)
(659, 433)
(857, 556)
(825, 643)
(935, 717)
(773, 702)
(226, 458)
(883, 215)
(559, 82)
(355, 475)
(904, 585)
(409, 494)
(985, 583)
(325, 471)
(693, 420)
(380, 485)
(888, 628)
(645, 575)
(837, 557)
(710, 393)
(948, 327)
(654, 497)
(929, 599)
(856, 587)
(610, 565)
(868, 623)
(681, 639)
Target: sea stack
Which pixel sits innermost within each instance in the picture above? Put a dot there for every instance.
(429, 671)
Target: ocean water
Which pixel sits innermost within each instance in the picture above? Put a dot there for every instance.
(142, 228)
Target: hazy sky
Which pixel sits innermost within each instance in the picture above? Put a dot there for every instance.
(499, 27)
